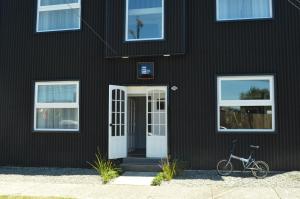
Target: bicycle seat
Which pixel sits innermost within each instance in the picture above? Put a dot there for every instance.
(254, 147)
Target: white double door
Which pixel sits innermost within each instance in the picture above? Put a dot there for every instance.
(156, 121)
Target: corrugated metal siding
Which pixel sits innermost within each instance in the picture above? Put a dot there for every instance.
(245, 47)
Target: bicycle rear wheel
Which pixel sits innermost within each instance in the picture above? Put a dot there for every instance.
(224, 167)
(260, 169)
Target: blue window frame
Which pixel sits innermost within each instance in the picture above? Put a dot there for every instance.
(144, 20)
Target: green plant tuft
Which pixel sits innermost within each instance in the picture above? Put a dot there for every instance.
(105, 168)
(109, 175)
(169, 168)
(158, 179)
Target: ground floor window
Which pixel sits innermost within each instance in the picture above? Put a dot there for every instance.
(245, 103)
(56, 106)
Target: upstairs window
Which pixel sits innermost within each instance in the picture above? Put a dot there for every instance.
(56, 106)
(243, 9)
(58, 15)
(246, 103)
(144, 20)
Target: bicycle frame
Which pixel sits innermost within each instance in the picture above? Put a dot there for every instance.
(247, 163)
(259, 169)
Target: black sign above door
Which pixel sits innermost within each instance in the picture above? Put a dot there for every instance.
(145, 70)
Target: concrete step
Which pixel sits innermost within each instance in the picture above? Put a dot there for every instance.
(138, 160)
(135, 178)
(140, 167)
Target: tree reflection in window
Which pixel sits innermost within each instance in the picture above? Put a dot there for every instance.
(246, 117)
(255, 93)
(144, 19)
(139, 26)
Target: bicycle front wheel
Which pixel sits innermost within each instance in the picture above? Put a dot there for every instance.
(224, 167)
(260, 169)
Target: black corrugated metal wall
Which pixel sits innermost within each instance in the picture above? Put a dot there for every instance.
(212, 48)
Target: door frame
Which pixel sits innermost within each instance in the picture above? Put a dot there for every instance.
(141, 90)
(157, 141)
(120, 149)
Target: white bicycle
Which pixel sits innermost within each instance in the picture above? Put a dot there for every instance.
(259, 169)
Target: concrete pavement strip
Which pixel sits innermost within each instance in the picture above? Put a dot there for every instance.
(200, 185)
(91, 191)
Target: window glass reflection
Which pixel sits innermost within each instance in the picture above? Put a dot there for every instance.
(245, 89)
(57, 93)
(246, 117)
(57, 118)
(144, 19)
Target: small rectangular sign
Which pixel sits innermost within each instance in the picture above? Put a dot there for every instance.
(145, 70)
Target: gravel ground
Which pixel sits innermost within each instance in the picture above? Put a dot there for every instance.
(49, 175)
(188, 178)
(275, 179)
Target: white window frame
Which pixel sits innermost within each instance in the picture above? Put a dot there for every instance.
(38, 105)
(67, 6)
(240, 18)
(148, 10)
(230, 103)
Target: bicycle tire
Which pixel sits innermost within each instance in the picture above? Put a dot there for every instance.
(262, 169)
(224, 168)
